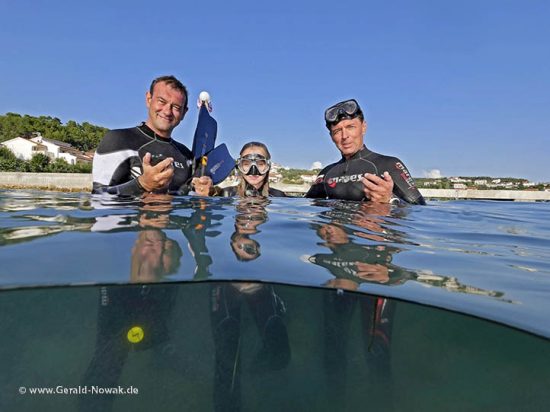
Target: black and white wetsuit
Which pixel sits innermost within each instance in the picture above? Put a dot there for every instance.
(118, 161)
(342, 180)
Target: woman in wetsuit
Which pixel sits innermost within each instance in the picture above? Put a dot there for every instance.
(229, 299)
(253, 165)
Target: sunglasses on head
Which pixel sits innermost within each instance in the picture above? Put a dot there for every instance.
(346, 109)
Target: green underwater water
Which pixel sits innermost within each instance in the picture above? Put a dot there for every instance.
(435, 359)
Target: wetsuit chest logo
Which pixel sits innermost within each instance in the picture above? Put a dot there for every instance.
(333, 181)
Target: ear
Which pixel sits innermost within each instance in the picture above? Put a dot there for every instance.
(148, 98)
(364, 127)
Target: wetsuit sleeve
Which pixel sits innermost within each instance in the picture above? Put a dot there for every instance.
(317, 189)
(403, 183)
(116, 166)
(276, 192)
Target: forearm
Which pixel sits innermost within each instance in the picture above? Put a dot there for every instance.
(130, 188)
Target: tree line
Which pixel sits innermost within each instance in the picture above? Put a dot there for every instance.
(84, 137)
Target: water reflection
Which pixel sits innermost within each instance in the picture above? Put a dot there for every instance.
(265, 305)
(134, 318)
(353, 263)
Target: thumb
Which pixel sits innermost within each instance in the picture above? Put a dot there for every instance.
(147, 159)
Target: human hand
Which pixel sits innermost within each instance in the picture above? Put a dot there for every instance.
(157, 176)
(372, 272)
(378, 189)
(155, 210)
(202, 185)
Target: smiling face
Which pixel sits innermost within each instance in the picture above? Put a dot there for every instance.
(255, 181)
(166, 108)
(348, 135)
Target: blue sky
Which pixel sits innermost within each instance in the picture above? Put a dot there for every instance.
(460, 87)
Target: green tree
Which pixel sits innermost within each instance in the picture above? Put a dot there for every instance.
(39, 163)
(9, 162)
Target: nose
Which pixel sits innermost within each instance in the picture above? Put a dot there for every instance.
(167, 109)
(345, 134)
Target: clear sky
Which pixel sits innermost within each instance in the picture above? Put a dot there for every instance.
(462, 87)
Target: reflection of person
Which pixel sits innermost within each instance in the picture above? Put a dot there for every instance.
(253, 166)
(267, 308)
(154, 256)
(145, 158)
(353, 264)
(135, 317)
(361, 174)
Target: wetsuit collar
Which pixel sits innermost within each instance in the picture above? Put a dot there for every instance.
(363, 152)
(150, 133)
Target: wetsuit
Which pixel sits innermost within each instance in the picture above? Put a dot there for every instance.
(342, 180)
(118, 161)
(251, 191)
(268, 311)
(344, 259)
(267, 308)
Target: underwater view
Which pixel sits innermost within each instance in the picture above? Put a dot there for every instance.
(253, 303)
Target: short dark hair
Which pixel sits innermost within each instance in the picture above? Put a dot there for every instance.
(173, 82)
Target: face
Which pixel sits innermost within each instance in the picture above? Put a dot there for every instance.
(148, 256)
(255, 181)
(348, 135)
(166, 108)
(333, 235)
(245, 248)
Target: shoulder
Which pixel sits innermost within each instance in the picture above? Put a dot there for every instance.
(276, 192)
(382, 159)
(228, 191)
(182, 148)
(328, 168)
(118, 139)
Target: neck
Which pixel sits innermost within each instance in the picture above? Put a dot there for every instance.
(158, 133)
(347, 157)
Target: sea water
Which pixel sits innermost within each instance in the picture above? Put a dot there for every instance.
(255, 304)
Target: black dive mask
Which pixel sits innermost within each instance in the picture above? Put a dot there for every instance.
(253, 171)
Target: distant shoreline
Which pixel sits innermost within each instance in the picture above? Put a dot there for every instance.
(82, 182)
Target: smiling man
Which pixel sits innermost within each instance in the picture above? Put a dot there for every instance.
(144, 159)
(361, 174)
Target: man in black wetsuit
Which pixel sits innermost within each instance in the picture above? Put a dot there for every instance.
(142, 159)
(360, 174)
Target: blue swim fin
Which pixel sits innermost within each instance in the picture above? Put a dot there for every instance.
(219, 164)
(205, 133)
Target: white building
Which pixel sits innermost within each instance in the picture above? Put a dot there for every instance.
(25, 149)
(458, 180)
